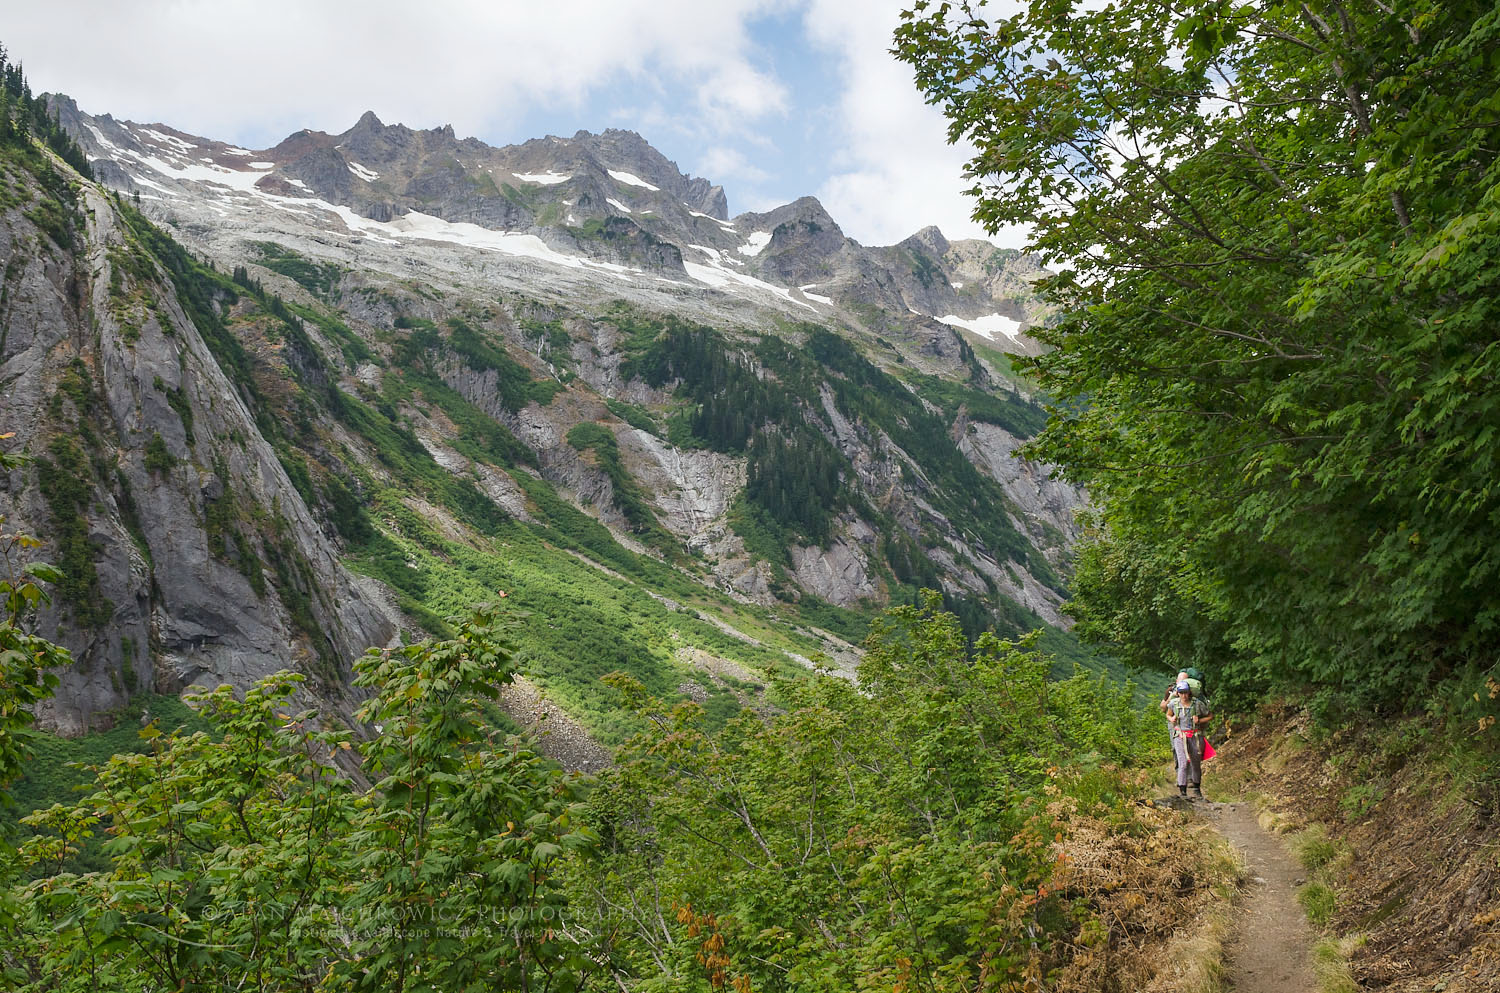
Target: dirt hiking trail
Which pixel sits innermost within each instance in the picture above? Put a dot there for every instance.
(1270, 947)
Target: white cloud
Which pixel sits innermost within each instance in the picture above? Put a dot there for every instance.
(897, 172)
(201, 64)
(683, 72)
(724, 163)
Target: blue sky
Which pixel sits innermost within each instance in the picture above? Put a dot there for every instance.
(774, 99)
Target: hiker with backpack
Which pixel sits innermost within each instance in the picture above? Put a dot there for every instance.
(1189, 716)
(1166, 711)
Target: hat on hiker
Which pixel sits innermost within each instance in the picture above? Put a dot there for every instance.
(1184, 688)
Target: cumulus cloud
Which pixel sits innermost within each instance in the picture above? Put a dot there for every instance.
(687, 74)
(725, 163)
(253, 71)
(896, 173)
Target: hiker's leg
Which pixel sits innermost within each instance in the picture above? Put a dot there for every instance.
(1195, 759)
(1179, 748)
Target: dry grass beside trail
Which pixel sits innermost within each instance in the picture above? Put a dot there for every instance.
(1152, 891)
(1403, 836)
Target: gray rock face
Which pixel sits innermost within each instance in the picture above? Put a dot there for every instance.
(692, 489)
(1047, 507)
(929, 241)
(86, 399)
(839, 573)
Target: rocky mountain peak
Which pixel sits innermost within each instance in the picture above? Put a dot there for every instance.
(606, 211)
(807, 211)
(299, 145)
(929, 240)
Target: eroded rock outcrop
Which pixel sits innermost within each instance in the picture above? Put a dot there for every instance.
(152, 485)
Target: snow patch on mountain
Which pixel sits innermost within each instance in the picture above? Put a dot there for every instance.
(631, 179)
(152, 185)
(235, 179)
(166, 139)
(542, 178)
(363, 172)
(719, 277)
(756, 243)
(618, 205)
(993, 326)
(718, 256)
(417, 225)
(726, 225)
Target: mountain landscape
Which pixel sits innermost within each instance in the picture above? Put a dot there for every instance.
(290, 402)
(433, 566)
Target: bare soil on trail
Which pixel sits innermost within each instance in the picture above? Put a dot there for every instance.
(1417, 851)
(1270, 947)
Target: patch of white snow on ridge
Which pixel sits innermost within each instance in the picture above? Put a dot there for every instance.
(238, 151)
(825, 301)
(143, 181)
(364, 172)
(416, 224)
(235, 179)
(166, 139)
(263, 165)
(993, 326)
(103, 141)
(542, 178)
(717, 255)
(756, 243)
(726, 225)
(719, 277)
(631, 179)
(958, 286)
(618, 205)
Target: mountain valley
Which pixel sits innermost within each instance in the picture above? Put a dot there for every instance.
(289, 403)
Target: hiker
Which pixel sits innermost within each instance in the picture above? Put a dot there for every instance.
(1166, 710)
(1190, 717)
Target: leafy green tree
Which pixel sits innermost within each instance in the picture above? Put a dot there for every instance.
(1275, 235)
(896, 833)
(254, 858)
(26, 660)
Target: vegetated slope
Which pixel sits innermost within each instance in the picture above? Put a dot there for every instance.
(955, 820)
(698, 493)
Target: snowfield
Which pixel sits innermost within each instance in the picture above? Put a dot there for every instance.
(756, 243)
(994, 326)
(631, 179)
(542, 178)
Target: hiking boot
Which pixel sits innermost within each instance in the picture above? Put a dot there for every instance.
(1182, 791)
(1197, 793)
